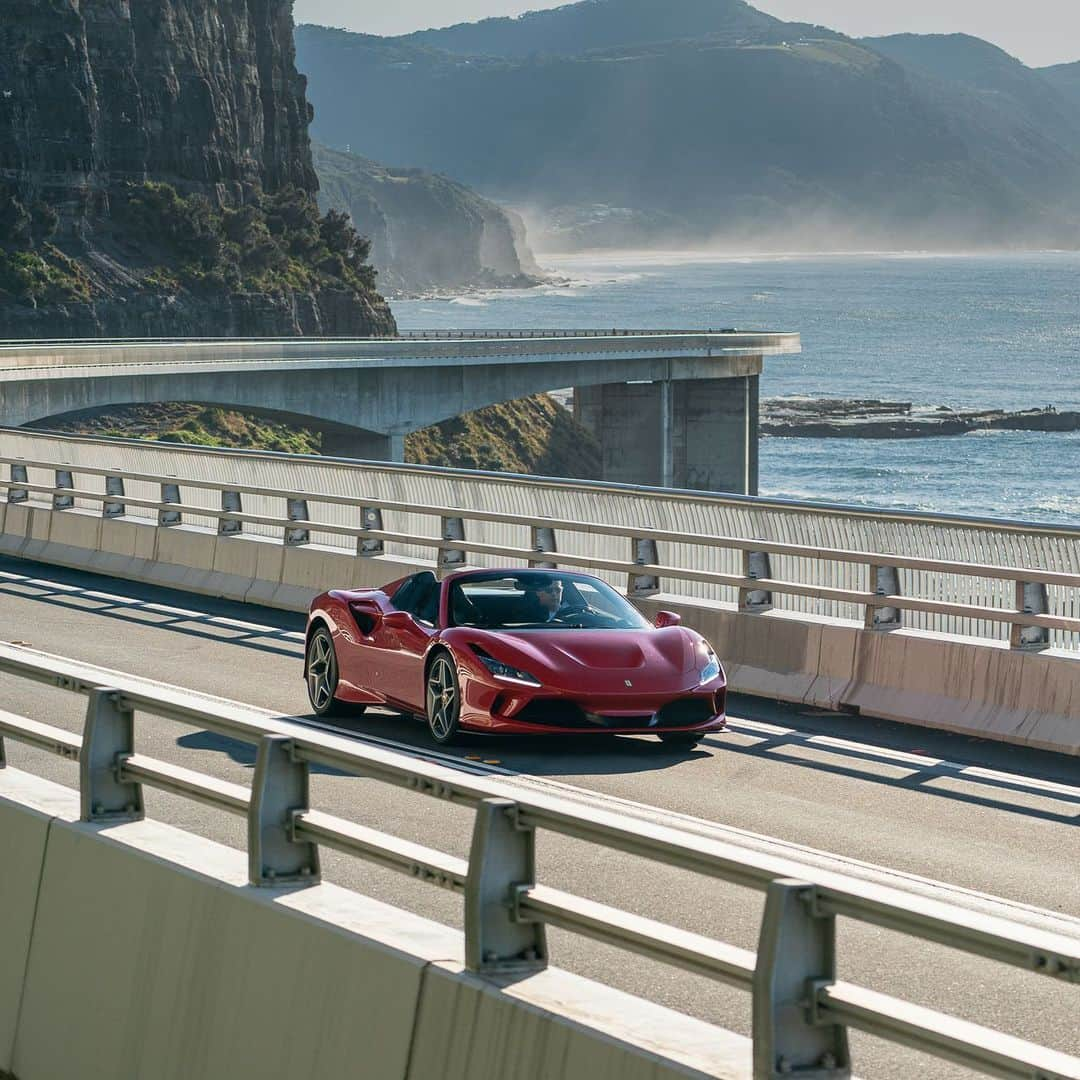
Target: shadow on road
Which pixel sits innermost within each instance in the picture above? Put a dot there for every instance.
(241, 752)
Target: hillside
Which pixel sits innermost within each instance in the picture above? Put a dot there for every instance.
(598, 24)
(704, 121)
(1065, 78)
(427, 233)
(156, 177)
(534, 435)
(1016, 123)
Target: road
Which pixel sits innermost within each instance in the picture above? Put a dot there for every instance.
(845, 792)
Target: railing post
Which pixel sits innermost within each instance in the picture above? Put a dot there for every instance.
(542, 539)
(18, 476)
(502, 860)
(757, 565)
(114, 485)
(170, 494)
(64, 482)
(453, 528)
(1032, 598)
(279, 792)
(232, 503)
(644, 553)
(297, 511)
(884, 581)
(108, 738)
(796, 956)
(369, 546)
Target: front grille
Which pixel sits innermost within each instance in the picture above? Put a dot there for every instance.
(685, 712)
(558, 712)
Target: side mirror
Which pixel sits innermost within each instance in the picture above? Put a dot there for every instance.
(667, 618)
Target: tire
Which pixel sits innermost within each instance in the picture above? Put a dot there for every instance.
(442, 695)
(322, 677)
(681, 740)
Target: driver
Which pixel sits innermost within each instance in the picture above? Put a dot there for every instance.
(547, 600)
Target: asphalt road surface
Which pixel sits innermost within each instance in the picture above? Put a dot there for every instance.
(948, 816)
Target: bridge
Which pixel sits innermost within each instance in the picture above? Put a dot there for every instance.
(667, 407)
(953, 830)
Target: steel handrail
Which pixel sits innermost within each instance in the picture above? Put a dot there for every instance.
(1050, 954)
(1027, 947)
(1013, 617)
(735, 543)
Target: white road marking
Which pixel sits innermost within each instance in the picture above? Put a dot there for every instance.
(1025, 913)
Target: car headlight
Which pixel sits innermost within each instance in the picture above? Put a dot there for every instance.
(505, 671)
(711, 670)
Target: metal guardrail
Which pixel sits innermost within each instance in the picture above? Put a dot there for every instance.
(801, 1012)
(464, 345)
(1030, 620)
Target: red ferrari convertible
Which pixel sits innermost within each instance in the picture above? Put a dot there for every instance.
(512, 652)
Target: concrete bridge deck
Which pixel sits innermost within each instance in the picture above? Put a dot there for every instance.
(987, 819)
(668, 407)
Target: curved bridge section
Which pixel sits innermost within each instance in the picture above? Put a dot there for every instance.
(676, 408)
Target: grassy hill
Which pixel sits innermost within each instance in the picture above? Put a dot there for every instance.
(533, 435)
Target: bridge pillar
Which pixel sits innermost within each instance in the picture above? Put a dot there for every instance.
(700, 434)
(362, 445)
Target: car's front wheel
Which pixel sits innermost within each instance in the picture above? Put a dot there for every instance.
(443, 699)
(322, 676)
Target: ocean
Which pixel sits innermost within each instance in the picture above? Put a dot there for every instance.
(992, 331)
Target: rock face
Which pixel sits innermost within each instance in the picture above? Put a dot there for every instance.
(863, 418)
(98, 98)
(428, 233)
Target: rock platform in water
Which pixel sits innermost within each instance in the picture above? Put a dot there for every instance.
(866, 418)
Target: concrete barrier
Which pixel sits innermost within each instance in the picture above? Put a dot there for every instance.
(27, 808)
(147, 955)
(969, 685)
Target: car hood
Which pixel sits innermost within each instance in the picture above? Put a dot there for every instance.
(647, 656)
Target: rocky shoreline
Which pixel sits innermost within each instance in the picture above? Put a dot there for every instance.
(857, 418)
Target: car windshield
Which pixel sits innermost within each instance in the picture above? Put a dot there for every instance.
(540, 600)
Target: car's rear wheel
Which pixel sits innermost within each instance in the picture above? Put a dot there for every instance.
(322, 677)
(681, 740)
(443, 699)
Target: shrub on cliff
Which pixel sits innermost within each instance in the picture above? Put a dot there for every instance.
(274, 243)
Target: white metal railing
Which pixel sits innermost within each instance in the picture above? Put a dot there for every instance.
(801, 1011)
(1034, 606)
(465, 345)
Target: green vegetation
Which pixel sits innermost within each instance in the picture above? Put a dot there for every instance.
(275, 243)
(534, 435)
(192, 424)
(32, 269)
(42, 277)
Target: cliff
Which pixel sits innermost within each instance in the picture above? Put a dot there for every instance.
(156, 177)
(428, 233)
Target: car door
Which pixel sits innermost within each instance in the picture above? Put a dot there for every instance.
(406, 634)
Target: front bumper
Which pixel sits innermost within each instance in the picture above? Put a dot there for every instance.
(510, 710)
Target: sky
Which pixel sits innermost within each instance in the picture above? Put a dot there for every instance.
(1037, 31)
